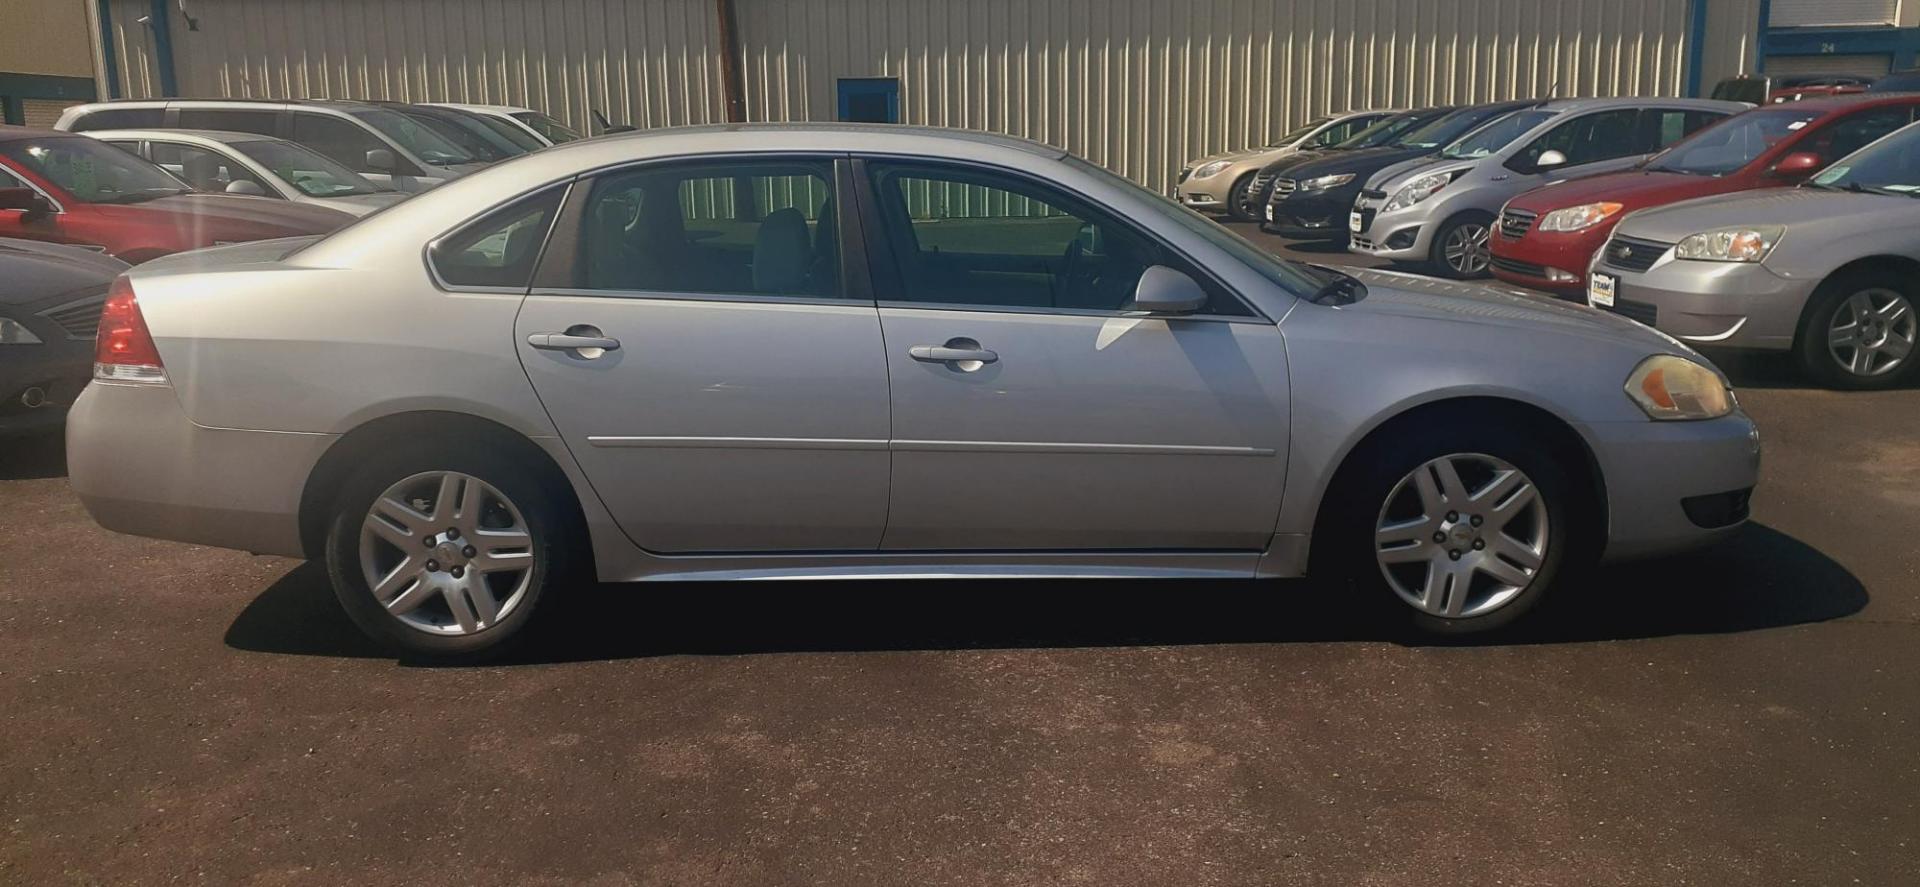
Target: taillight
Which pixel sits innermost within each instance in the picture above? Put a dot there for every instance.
(123, 350)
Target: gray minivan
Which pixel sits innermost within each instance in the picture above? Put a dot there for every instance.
(1440, 208)
(380, 144)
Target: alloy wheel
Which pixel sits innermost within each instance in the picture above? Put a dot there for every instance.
(1462, 535)
(1872, 333)
(446, 553)
(1465, 248)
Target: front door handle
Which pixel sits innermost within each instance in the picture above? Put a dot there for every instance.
(585, 341)
(950, 354)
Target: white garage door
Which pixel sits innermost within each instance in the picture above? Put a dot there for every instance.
(1859, 65)
(1831, 13)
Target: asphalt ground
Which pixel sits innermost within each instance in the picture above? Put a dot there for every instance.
(1743, 715)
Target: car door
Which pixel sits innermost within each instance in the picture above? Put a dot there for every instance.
(1032, 410)
(744, 408)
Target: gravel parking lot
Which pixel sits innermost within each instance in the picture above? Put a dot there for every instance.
(1743, 715)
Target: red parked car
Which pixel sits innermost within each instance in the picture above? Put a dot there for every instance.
(64, 188)
(1546, 236)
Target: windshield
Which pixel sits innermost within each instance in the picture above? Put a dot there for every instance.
(1891, 165)
(1448, 128)
(466, 132)
(1752, 90)
(314, 175)
(1299, 133)
(1908, 81)
(520, 138)
(91, 171)
(1496, 135)
(1383, 132)
(1733, 143)
(414, 136)
(555, 131)
(1286, 275)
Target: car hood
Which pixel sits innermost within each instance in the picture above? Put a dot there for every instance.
(252, 211)
(1406, 170)
(363, 204)
(1430, 298)
(1836, 212)
(1634, 188)
(1293, 159)
(1365, 161)
(1245, 154)
(36, 272)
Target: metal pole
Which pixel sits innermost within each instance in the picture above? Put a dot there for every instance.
(733, 92)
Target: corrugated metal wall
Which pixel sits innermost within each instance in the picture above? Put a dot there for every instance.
(1137, 85)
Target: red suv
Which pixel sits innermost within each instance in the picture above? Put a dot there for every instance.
(1546, 236)
(65, 188)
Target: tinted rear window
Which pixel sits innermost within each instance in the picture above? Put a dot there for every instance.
(120, 118)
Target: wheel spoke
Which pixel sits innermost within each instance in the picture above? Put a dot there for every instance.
(1516, 503)
(1863, 307)
(1844, 336)
(1497, 490)
(1862, 362)
(1896, 347)
(382, 526)
(1503, 572)
(1405, 554)
(1440, 580)
(446, 501)
(485, 609)
(1894, 310)
(1432, 501)
(462, 610)
(411, 597)
(1451, 489)
(1516, 551)
(403, 514)
(1415, 530)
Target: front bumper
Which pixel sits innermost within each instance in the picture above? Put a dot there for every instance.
(1402, 235)
(1206, 195)
(1310, 215)
(1530, 260)
(1714, 304)
(141, 466)
(39, 382)
(1672, 486)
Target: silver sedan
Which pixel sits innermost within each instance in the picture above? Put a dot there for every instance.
(837, 351)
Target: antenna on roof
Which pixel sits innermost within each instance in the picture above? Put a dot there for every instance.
(1553, 89)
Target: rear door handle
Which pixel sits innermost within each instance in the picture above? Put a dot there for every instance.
(950, 354)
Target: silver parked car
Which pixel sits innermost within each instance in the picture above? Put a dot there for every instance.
(1439, 210)
(1223, 183)
(261, 166)
(1826, 270)
(816, 351)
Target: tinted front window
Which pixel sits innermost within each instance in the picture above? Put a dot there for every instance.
(555, 131)
(91, 171)
(1295, 135)
(1446, 129)
(1733, 144)
(229, 119)
(1892, 164)
(414, 136)
(747, 228)
(501, 248)
(305, 169)
(1343, 130)
(1495, 136)
(1907, 81)
(1589, 138)
(1384, 132)
(205, 170)
(338, 139)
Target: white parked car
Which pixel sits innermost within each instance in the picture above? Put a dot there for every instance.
(253, 165)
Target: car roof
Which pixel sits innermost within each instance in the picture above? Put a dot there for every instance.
(465, 106)
(1849, 102)
(205, 135)
(16, 133)
(1592, 103)
(851, 137)
(207, 102)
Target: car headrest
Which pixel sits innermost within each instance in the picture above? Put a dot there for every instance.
(782, 253)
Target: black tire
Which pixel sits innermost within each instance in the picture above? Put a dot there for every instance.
(1436, 252)
(1243, 206)
(1832, 297)
(1345, 540)
(542, 504)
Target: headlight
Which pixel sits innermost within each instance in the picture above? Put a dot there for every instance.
(1730, 244)
(1579, 218)
(1417, 190)
(1669, 387)
(1324, 182)
(1211, 169)
(13, 332)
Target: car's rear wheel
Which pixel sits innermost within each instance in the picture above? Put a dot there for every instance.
(1861, 331)
(445, 555)
(1464, 526)
(1243, 205)
(1460, 248)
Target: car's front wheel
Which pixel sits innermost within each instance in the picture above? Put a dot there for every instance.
(1465, 526)
(445, 555)
(1460, 248)
(1861, 331)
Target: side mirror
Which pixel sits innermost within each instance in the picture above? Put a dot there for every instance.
(246, 187)
(1550, 160)
(1797, 165)
(28, 201)
(1162, 290)
(381, 159)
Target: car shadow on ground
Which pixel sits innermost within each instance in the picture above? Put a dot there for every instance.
(1759, 579)
(32, 457)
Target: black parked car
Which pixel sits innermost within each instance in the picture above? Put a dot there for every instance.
(50, 298)
(1381, 133)
(1311, 200)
